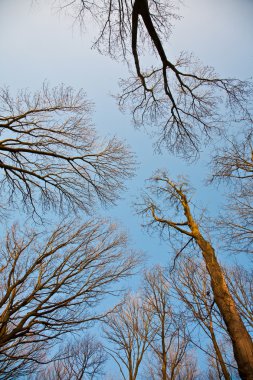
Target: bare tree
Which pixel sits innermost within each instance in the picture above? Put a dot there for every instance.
(235, 224)
(81, 359)
(50, 154)
(233, 161)
(191, 282)
(50, 284)
(181, 97)
(214, 370)
(184, 224)
(187, 370)
(128, 330)
(233, 164)
(240, 283)
(170, 342)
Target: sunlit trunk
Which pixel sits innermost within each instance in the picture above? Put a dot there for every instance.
(241, 340)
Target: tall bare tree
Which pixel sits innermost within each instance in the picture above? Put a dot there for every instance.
(50, 154)
(181, 97)
(128, 330)
(170, 342)
(50, 284)
(184, 224)
(191, 282)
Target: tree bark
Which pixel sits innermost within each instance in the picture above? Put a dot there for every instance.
(219, 354)
(164, 354)
(241, 340)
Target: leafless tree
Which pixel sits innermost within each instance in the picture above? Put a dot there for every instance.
(191, 282)
(235, 224)
(51, 283)
(180, 96)
(187, 370)
(128, 331)
(81, 359)
(170, 343)
(214, 370)
(233, 164)
(185, 225)
(240, 282)
(50, 154)
(234, 161)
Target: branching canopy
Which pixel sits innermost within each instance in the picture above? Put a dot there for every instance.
(129, 330)
(182, 99)
(50, 153)
(51, 283)
(233, 164)
(80, 359)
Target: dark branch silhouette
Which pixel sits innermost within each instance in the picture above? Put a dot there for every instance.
(182, 99)
(232, 164)
(51, 156)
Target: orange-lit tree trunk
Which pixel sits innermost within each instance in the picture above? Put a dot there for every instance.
(241, 340)
(191, 283)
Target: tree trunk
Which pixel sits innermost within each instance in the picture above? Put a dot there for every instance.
(164, 354)
(164, 369)
(219, 354)
(241, 340)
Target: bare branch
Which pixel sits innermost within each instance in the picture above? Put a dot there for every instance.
(128, 329)
(173, 193)
(183, 100)
(50, 154)
(50, 284)
(83, 358)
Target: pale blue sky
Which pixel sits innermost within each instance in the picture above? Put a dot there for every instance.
(37, 43)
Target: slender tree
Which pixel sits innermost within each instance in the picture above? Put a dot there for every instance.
(128, 330)
(191, 282)
(169, 345)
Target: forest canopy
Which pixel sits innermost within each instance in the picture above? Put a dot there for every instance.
(64, 263)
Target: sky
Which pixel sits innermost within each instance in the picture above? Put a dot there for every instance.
(38, 43)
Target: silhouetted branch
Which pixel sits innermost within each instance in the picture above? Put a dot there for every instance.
(50, 154)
